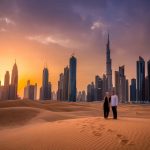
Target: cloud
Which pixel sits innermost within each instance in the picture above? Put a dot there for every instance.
(3, 30)
(98, 25)
(7, 20)
(48, 40)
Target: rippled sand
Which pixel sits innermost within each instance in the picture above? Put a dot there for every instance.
(26, 125)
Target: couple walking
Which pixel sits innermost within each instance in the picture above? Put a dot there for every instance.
(110, 100)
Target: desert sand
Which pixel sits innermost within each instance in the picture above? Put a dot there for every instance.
(28, 125)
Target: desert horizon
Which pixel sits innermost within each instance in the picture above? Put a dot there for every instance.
(26, 124)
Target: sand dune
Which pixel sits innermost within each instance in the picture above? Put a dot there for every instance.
(38, 126)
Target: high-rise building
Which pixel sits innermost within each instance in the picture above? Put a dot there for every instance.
(90, 92)
(83, 96)
(133, 90)
(45, 91)
(121, 85)
(117, 81)
(127, 91)
(79, 95)
(108, 66)
(140, 80)
(146, 89)
(148, 72)
(30, 91)
(6, 85)
(72, 79)
(104, 89)
(65, 83)
(7, 79)
(60, 87)
(14, 83)
(98, 88)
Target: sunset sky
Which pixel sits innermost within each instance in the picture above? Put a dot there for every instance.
(35, 32)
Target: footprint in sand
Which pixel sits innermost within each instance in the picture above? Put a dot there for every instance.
(97, 133)
(83, 127)
(119, 135)
(110, 130)
(123, 139)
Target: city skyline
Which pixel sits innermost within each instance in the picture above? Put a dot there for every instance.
(9, 78)
(53, 30)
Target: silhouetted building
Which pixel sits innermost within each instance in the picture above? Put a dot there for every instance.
(90, 92)
(60, 87)
(133, 90)
(117, 82)
(2, 93)
(148, 72)
(72, 79)
(127, 91)
(79, 95)
(121, 85)
(108, 66)
(98, 88)
(66, 83)
(30, 91)
(14, 83)
(146, 89)
(6, 86)
(7, 79)
(45, 90)
(140, 80)
(83, 97)
(104, 89)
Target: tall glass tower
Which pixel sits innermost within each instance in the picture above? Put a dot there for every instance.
(46, 87)
(14, 83)
(108, 66)
(140, 79)
(148, 72)
(72, 79)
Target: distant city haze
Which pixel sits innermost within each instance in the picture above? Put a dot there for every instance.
(49, 32)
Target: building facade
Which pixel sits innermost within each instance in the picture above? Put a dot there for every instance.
(140, 65)
(72, 79)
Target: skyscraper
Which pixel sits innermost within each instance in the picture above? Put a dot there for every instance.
(6, 85)
(81, 96)
(121, 84)
(127, 91)
(90, 92)
(65, 83)
(108, 66)
(104, 85)
(72, 79)
(146, 89)
(148, 72)
(14, 83)
(45, 91)
(117, 82)
(140, 79)
(98, 88)
(7, 79)
(30, 91)
(60, 87)
(133, 90)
